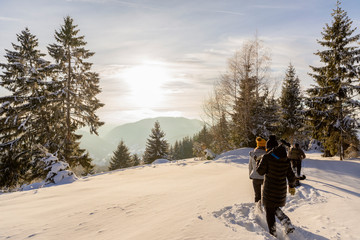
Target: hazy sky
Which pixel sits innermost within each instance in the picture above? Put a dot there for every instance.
(162, 57)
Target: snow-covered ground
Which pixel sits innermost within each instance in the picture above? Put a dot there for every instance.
(186, 199)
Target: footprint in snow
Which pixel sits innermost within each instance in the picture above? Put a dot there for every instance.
(250, 217)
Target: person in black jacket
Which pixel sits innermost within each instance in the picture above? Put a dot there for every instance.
(277, 170)
(271, 143)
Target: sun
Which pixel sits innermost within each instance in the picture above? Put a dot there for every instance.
(146, 83)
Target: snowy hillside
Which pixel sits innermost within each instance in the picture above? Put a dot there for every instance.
(186, 199)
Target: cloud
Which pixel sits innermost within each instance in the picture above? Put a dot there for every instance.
(125, 3)
(194, 72)
(274, 6)
(110, 71)
(177, 86)
(228, 12)
(9, 19)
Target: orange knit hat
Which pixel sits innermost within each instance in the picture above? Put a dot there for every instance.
(260, 142)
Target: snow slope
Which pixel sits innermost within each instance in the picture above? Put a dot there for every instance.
(186, 199)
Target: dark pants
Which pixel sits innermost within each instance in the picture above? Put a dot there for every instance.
(271, 212)
(296, 164)
(257, 188)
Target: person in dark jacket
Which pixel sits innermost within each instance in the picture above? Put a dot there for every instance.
(277, 170)
(271, 143)
(296, 155)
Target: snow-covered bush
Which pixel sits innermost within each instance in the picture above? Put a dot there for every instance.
(160, 161)
(209, 155)
(200, 151)
(352, 151)
(57, 171)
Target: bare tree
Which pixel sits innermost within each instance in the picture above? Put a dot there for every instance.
(239, 89)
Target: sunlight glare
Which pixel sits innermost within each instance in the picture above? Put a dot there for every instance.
(145, 83)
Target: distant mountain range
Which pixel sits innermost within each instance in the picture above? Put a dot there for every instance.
(135, 135)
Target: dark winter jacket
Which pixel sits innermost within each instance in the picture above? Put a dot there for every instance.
(276, 168)
(296, 153)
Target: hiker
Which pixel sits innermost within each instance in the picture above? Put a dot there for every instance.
(271, 143)
(256, 178)
(277, 169)
(296, 155)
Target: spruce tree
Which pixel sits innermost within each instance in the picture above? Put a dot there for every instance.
(266, 116)
(248, 110)
(186, 148)
(203, 137)
(24, 114)
(173, 151)
(253, 115)
(121, 157)
(156, 145)
(77, 87)
(243, 113)
(333, 108)
(221, 135)
(291, 116)
(135, 160)
(182, 149)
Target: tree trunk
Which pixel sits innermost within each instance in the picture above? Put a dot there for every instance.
(68, 122)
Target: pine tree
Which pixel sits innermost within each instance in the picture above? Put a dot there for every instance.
(24, 114)
(242, 114)
(221, 136)
(247, 119)
(250, 116)
(291, 117)
(203, 137)
(121, 158)
(77, 87)
(173, 151)
(186, 148)
(135, 160)
(266, 116)
(156, 145)
(182, 149)
(333, 108)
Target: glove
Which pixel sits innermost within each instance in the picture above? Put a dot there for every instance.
(292, 190)
(285, 143)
